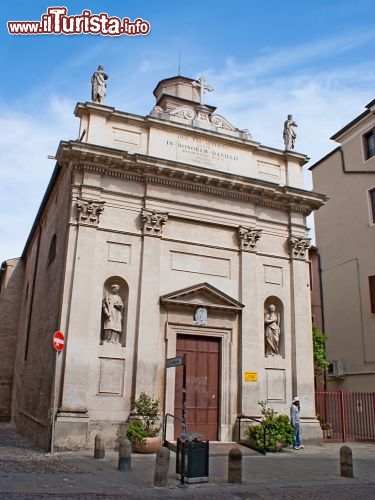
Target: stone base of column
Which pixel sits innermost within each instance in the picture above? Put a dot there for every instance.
(71, 430)
(311, 432)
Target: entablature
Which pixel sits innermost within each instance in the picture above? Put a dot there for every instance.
(148, 169)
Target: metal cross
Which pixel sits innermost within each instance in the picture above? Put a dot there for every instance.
(202, 87)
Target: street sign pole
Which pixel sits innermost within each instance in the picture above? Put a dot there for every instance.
(58, 342)
(184, 398)
(173, 362)
(183, 425)
(54, 403)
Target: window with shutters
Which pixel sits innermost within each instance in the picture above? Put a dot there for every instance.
(371, 282)
(369, 144)
(372, 205)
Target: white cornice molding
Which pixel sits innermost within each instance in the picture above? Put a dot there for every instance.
(201, 295)
(146, 169)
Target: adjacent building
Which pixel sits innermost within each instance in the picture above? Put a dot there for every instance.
(345, 237)
(317, 316)
(162, 235)
(11, 278)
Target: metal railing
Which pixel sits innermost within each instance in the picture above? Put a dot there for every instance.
(346, 416)
(167, 443)
(248, 442)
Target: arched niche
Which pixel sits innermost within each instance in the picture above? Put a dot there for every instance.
(274, 338)
(107, 304)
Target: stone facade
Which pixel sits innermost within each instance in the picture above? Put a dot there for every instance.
(181, 211)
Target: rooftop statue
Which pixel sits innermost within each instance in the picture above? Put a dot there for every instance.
(98, 85)
(289, 133)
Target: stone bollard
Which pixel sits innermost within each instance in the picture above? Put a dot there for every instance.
(346, 461)
(99, 451)
(235, 466)
(162, 467)
(125, 455)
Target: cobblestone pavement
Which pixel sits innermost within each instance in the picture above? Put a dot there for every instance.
(312, 473)
(17, 455)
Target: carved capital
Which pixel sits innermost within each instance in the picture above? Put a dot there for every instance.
(248, 237)
(298, 246)
(88, 211)
(153, 222)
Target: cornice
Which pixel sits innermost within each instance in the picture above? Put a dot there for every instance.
(92, 108)
(146, 169)
(201, 295)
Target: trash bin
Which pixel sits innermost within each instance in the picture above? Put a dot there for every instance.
(196, 460)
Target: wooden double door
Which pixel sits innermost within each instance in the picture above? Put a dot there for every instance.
(203, 356)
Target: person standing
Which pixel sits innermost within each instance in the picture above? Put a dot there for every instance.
(295, 421)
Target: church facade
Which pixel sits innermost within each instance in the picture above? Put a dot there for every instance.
(163, 235)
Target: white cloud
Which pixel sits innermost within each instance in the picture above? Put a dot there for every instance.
(308, 81)
(321, 102)
(273, 59)
(25, 170)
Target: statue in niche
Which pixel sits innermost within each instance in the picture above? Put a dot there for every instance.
(272, 331)
(289, 134)
(98, 85)
(112, 311)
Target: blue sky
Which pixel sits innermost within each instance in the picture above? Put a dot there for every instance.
(313, 59)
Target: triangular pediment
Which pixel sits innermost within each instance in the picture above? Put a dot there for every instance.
(204, 295)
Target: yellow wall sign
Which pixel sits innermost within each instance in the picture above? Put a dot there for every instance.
(251, 376)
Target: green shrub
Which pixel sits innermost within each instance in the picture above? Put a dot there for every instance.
(279, 431)
(136, 432)
(319, 344)
(147, 411)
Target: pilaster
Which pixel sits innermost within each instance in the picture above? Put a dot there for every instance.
(250, 359)
(149, 370)
(72, 417)
(302, 347)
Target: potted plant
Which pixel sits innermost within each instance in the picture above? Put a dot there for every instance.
(326, 427)
(143, 431)
(279, 431)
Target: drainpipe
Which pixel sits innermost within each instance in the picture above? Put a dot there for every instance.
(322, 308)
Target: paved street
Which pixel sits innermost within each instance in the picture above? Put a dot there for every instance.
(312, 473)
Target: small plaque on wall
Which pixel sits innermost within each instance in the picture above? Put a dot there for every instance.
(111, 376)
(250, 377)
(276, 384)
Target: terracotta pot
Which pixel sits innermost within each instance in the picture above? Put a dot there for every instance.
(327, 433)
(279, 445)
(151, 445)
